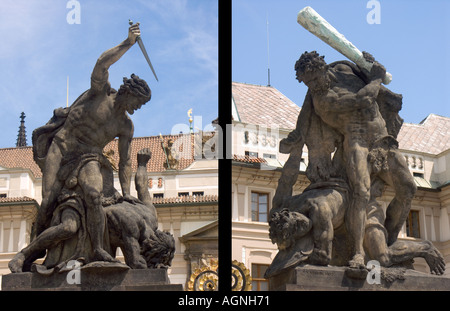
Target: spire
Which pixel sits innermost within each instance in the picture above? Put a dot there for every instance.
(268, 56)
(22, 136)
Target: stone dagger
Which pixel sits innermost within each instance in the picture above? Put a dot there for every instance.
(144, 51)
(319, 27)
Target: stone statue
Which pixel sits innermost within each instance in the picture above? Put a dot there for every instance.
(131, 226)
(134, 227)
(171, 162)
(309, 228)
(82, 216)
(349, 122)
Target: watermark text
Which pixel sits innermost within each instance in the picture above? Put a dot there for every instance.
(74, 15)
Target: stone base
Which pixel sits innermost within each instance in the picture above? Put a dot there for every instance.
(92, 279)
(315, 278)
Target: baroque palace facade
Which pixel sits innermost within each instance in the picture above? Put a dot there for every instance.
(184, 192)
(262, 116)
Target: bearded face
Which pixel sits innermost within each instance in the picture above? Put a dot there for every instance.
(129, 102)
(133, 93)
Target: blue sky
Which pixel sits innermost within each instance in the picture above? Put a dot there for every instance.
(412, 41)
(40, 49)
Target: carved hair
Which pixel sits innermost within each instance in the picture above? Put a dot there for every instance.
(308, 62)
(136, 87)
(286, 227)
(158, 249)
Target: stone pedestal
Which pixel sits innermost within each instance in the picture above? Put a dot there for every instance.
(314, 278)
(91, 279)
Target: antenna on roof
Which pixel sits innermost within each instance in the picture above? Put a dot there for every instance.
(67, 96)
(268, 56)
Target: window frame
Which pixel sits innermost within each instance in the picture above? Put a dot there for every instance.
(258, 212)
(258, 279)
(409, 226)
(251, 154)
(158, 195)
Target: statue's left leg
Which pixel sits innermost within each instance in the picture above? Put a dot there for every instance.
(91, 182)
(321, 217)
(375, 245)
(400, 178)
(359, 179)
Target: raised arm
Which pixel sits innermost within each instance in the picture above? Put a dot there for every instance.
(373, 87)
(99, 75)
(363, 98)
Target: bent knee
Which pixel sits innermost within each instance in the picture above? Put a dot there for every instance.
(94, 197)
(361, 193)
(320, 212)
(325, 211)
(68, 228)
(361, 189)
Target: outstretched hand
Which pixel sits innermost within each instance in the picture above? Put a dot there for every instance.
(368, 57)
(143, 156)
(378, 71)
(130, 199)
(133, 33)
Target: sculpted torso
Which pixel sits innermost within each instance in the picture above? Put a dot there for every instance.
(92, 123)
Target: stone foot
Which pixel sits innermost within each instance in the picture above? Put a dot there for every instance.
(102, 255)
(434, 259)
(16, 264)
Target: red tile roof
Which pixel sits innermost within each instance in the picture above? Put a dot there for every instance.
(264, 105)
(23, 157)
(156, 163)
(248, 159)
(432, 135)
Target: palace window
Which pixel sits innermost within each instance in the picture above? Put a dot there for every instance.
(198, 193)
(183, 194)
(251, 154)
(258, 281)
(158, 195)
(412, 224)
(269, 156)
(260, 206)
(421, 175)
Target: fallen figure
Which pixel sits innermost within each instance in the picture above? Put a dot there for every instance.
(308, 227)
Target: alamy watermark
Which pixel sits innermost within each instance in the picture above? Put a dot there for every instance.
(74, 275)
(374, 15)
(74, 15)
(374, 275)
(208, 141)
